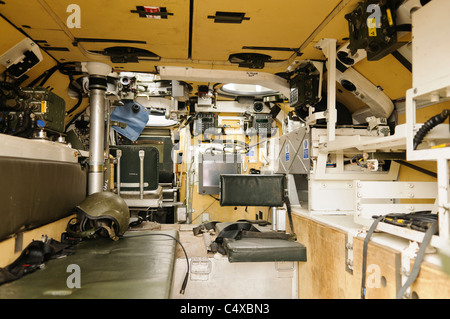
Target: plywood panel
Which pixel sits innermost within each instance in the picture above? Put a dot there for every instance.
(323, 276)
(382, 272)
(28, 13)
(167, 38)
(337, 29)
(271, 24)
(431, 283)
(387, 73)
(49, 39)
(10, 37)
(52, 230)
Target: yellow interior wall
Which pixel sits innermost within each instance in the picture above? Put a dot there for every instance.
(269, 26)
(51, 230)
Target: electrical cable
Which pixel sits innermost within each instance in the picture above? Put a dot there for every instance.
(215, 199)
(420, 220)
(66, 68)
(417, 168)
(186, 277)
(428, 126)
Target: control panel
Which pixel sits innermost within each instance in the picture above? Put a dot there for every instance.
(205, 122)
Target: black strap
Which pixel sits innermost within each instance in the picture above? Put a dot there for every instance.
(432, 230)
(289, 212)
(234, 230)
(267, 235)
(364, 263)
(31, 258)
(203, 227)
(240, 229)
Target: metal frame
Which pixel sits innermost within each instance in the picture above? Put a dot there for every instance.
(13, 146)
(436, 92)
(267, 80)
(328, 46)
(381, 198)
(431, 88)
(141, 198)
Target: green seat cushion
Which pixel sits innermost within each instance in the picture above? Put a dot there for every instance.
(132, 267)
(262, 250)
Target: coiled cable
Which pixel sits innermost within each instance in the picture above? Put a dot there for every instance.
(428, 126)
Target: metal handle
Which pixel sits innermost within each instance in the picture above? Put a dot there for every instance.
(119, 155)
(141, 173)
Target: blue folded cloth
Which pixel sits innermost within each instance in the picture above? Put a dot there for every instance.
(134, 115)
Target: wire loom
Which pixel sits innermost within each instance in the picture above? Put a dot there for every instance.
(428, 126)
(420, 221)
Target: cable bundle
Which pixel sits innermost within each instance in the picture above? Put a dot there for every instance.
(420, 221)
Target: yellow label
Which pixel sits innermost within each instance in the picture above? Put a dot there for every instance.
(372, 27)
(43, 106)
(389, 15)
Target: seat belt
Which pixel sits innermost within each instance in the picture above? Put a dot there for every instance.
(32, 257)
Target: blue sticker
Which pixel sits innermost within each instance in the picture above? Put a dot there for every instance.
(287, 153)
(305, 149)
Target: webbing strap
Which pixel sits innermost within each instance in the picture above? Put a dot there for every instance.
(432, 230)
(364, 263)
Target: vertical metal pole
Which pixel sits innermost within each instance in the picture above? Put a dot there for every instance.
(96, 141)
(107, 170)
(97, 90)
(274, 218)
(331, 90)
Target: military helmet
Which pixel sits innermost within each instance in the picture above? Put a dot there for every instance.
(103, 211)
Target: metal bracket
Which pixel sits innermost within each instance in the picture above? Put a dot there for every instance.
(349, 249)
(328, 46)
(22, 57)
(349, 253)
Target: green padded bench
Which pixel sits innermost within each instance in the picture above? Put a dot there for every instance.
(263, 250)
(130, 268)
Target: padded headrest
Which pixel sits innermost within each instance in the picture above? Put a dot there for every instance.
(252, 190)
